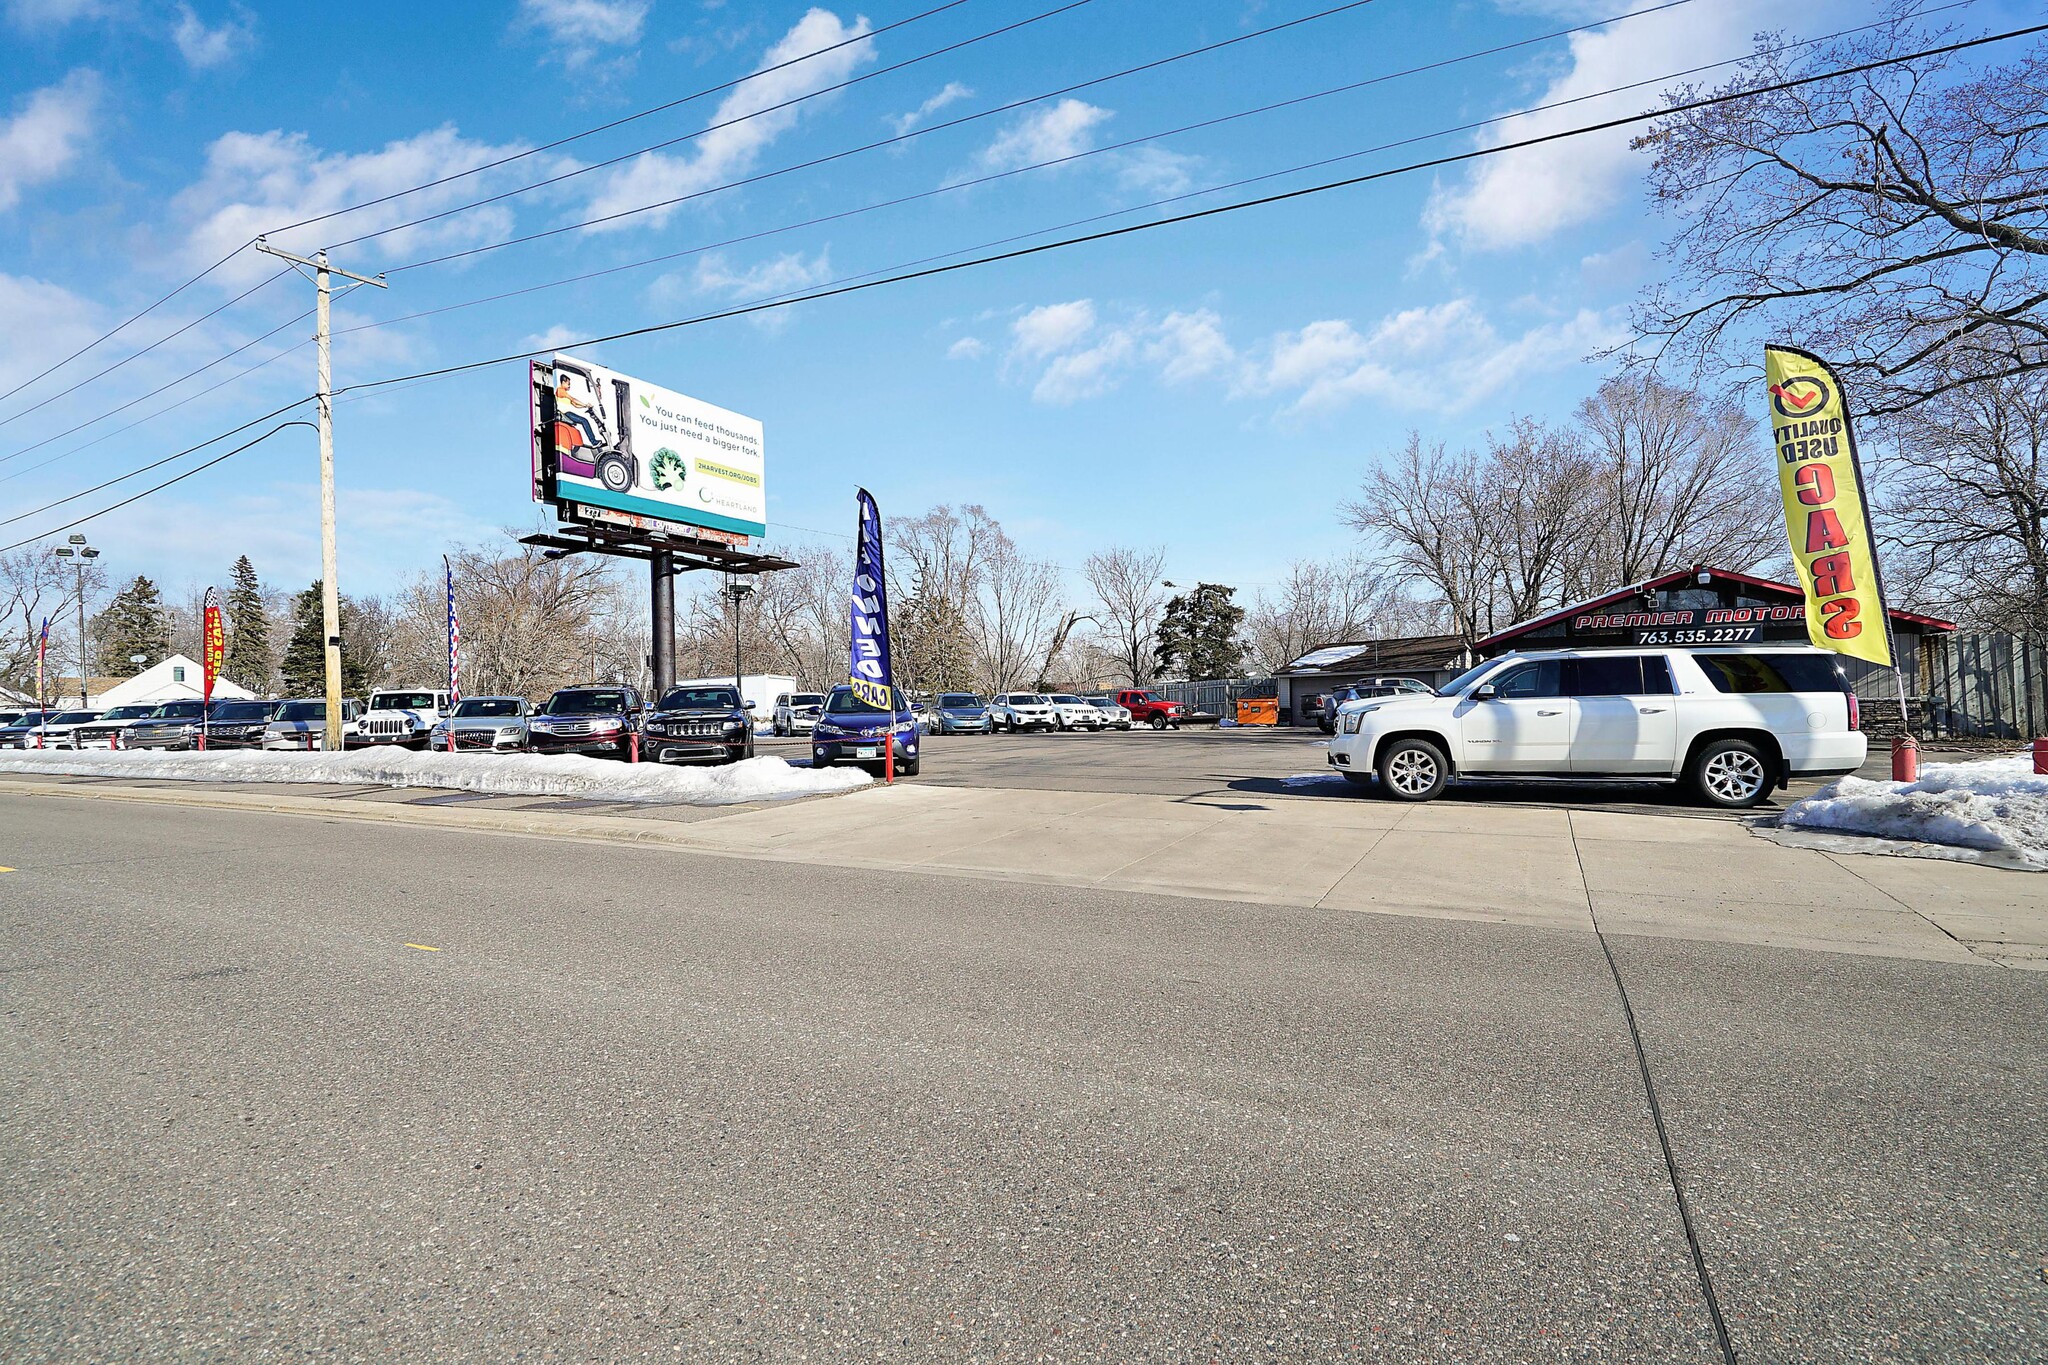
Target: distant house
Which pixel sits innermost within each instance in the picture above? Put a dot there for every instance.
(175, 679)
(1429, 659)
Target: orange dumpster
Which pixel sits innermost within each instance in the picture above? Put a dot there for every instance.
(1258, 710)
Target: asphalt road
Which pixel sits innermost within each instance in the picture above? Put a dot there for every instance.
(642, 1104)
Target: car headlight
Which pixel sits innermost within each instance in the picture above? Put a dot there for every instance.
(733, 725)
(1351, 721)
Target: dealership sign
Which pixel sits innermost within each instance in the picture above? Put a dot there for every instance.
(1692, 625)
(607, 443)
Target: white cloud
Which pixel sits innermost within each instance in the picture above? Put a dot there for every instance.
(1188, 346)
(1154, 170)
(1442, 358)
(255, 181)
(580, 29)
(785, 274)
(50, 13)
(40, 143)
(953, 92)
(1065, 129)
(967, 348)
(727, 152)
(1518, 198)
(1051, 327)
(203, 47)
(554, 338)
(44, 321)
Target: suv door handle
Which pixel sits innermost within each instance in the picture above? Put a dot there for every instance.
(1650, 710)
(1550, 713)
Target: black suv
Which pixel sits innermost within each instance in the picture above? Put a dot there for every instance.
(236, 724)
(586, 720)
(700, 725)
(174, 725)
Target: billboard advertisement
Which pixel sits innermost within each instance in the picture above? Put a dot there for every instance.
(607, 442)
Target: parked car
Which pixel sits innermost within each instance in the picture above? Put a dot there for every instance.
(401, 715)
(700, 725)
(100, 734)
(302, 724)
(851, 731)
(50, 730)
(9, 716)
(1149, 708)
(497, 724)
(1326, 710)
(1114, 717)
(169, 725)
(1730, 724)
(18, 733)
(1019, 711)
(238, 724)
(587, 720)
(1072, 713)
(959, 713)
(797, 712)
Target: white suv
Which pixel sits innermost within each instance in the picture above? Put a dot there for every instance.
(1730, 723)
(1014, 711)
(1072, 713)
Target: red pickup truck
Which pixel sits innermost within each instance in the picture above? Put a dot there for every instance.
(1149, 708)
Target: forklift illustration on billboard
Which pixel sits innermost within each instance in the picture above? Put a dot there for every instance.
(594, 440)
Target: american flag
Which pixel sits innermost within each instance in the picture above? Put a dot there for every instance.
(454, 637)
(42, 648)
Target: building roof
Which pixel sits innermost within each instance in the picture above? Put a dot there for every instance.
(1401, 655)
(1676, 576)
(175, 679)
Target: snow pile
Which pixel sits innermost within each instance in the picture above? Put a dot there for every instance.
(1997, 804)
(753, 779)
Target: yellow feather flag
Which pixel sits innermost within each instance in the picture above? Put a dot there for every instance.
(1826, 513)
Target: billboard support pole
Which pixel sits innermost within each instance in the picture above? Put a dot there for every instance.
(662, 587)
(330, 593)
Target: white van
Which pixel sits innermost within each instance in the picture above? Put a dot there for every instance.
(1731, 723)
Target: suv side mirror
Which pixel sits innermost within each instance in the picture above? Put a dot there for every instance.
(1486, 692)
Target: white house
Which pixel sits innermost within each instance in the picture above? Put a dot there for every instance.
(175, 679)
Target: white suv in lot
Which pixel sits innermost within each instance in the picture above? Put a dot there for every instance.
(1732, 724)
(1015, 711)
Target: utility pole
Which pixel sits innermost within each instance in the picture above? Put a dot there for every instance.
(81, 552)
(330, 594)
(738, 592)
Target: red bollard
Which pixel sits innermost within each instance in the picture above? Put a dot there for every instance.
(1905, 759)
(451, 739)
(2041, 756)
(113, 739)
(633, 747)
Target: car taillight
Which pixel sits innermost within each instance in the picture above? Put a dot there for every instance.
(1855, 713)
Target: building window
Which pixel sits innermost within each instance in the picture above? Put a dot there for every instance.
(177, 673)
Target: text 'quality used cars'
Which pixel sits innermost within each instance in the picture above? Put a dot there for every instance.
(1731, 724)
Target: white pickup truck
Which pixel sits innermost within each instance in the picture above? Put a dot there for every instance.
(1732, 724)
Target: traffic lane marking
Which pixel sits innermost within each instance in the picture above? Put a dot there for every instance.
(423, 947)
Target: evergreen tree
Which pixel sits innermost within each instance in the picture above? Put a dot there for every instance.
(248, 649)
(135, 622)
(1198, 637)
(305, 660)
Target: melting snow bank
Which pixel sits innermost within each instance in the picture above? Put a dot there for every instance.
(1996, 805)
(753, 779)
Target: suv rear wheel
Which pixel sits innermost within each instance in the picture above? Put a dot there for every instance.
(1413, 770)
(1731, 773)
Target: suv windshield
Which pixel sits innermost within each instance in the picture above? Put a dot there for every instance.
(701, 699)
(73, 717)
(842, 702)
(242, 710)
(301, 710)
(127, 712)
(1467, 678)
(957, 699)
(401, 701)
(1065, 699)
(585, 702)
(487, 707)
(180, 710)
(807, 699)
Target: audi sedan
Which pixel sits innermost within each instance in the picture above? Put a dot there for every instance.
(495, 724)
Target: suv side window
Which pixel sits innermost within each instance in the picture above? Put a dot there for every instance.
(1605, 675)
(1772, 673)
(1538, 679)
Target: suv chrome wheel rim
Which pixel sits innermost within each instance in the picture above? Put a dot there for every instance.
(1411, 772)
(1734, 775)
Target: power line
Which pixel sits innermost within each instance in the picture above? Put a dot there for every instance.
(869, 36)
(715, 127)
(897, 140)
(1432, 163)
(179, 478)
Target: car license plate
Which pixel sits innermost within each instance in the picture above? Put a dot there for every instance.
(868, 751)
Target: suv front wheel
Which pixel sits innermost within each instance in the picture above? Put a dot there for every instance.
(1731, 773)
(1413, 770)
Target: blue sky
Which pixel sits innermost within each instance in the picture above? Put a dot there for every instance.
(1217, 387)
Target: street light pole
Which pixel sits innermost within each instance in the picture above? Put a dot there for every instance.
(330, 592)
(81, 552)
(737, 592)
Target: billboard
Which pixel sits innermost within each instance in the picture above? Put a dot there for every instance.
(605, 442)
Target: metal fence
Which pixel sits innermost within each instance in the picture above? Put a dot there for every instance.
(1986, 683)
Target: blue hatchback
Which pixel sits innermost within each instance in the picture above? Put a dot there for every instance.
(850, 731)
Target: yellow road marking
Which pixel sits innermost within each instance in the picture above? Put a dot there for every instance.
(6, 869)
(423, 947)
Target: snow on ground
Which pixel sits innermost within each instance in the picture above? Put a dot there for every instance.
(1998, 804)
(754, 779)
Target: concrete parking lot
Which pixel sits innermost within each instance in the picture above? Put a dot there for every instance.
(1020, 1060)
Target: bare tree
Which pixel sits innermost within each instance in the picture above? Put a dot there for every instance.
(1015, 615)
(1677, 479)
(34, 585)
(1129, 602)
(1533, 503)
(1966, 501)
(1424, 509)
(1888, 220)
(1322, 602)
